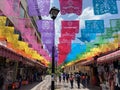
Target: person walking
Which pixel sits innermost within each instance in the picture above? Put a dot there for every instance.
(67, 77)
(59, 77)
(71, 78)
(78, 79)
(83, 80)
(64, 75)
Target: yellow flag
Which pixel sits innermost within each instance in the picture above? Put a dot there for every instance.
(2, 20)
(22, 45)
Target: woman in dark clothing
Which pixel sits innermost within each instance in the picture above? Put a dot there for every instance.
(67, 77)
(78, 79)
(71, 80)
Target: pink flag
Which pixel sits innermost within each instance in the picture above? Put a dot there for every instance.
(71, 6)
(10, 7)
(71, 25)
(15, 5)
(1, 13)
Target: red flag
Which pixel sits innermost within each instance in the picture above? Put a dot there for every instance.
(71, 6)
(64, 47)
(65, 40)
(61, 59)
(71, 25)
(68, 33)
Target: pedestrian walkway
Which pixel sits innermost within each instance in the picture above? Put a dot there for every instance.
(66, 86)
(46, 83)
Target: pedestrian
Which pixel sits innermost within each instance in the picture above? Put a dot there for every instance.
(78, 79)
(59, 77)
(67, 77)
(86, 80)
(64, 77)
(83, 80)
(19, 77)
(117, 79)
(71, 78)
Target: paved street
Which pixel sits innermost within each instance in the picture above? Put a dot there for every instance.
(45, 85)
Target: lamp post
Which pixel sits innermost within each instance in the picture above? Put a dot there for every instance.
(53, 14)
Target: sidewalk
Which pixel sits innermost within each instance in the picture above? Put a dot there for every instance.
(44, 85)
(66, 86)
(29, 86)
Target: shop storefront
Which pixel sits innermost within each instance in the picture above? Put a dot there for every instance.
(108, 70)
(16, 70)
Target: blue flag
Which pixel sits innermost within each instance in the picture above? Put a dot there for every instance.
(94, 26)
(105, 6)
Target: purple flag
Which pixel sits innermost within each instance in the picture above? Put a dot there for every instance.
(47, 41)
(44, 7)
(45, 25)
(47, 34)
(33, 8)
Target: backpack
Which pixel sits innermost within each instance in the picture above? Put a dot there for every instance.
(83, 77)
(71, 78)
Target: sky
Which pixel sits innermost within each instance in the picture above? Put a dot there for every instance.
(87, 14)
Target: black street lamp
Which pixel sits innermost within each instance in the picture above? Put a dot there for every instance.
(53, 14)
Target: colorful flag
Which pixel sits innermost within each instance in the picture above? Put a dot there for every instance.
(15, 5)
(105, 6)
(45, 25)
(71, 6)
(94, 26)
(61, 59)
(65, 40)
(64, 48)
(10, 7)
(86, 36)
(33, 8)
(44, 7)
(3, 20)
(71, 25)
(68, 33)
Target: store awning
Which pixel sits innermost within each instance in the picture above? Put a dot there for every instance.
(8, 53)
(87, 62)
(109, 58)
